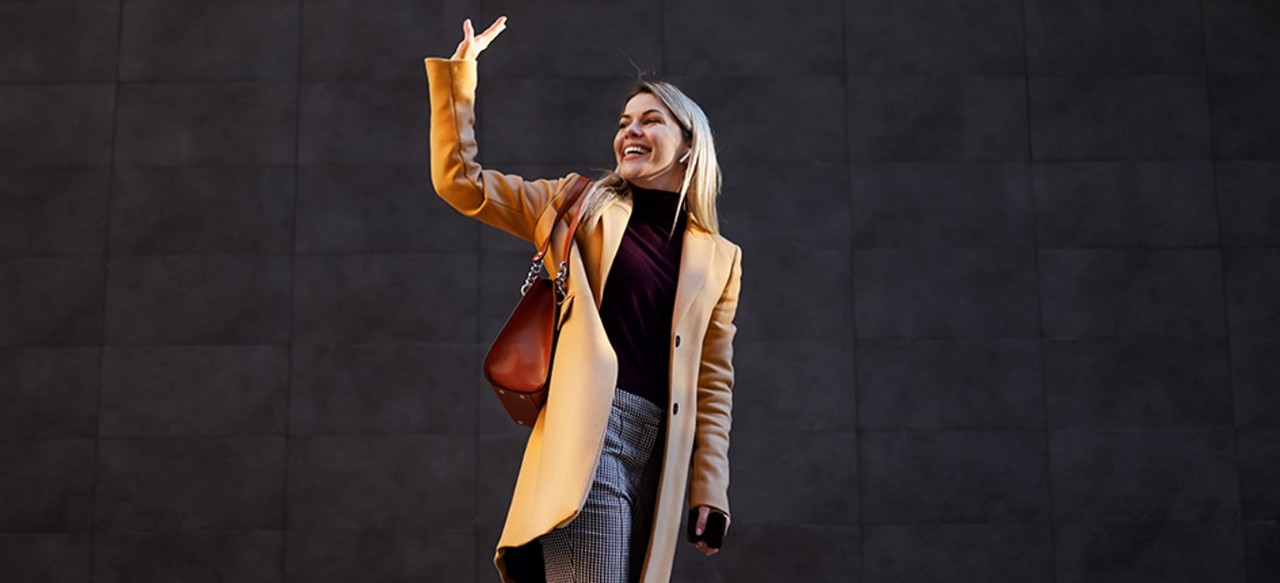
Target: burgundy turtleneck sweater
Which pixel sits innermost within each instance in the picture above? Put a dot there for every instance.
(640, 294)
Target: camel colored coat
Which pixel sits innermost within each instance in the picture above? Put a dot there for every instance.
(564, 445)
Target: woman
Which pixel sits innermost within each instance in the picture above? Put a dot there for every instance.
(639, 406)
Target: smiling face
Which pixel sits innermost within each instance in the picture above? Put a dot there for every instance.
(649, 144)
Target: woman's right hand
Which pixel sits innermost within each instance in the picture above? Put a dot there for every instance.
(472, 45)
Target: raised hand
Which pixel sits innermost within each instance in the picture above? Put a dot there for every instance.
(472, 45)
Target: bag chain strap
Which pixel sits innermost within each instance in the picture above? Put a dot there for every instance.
(562, 272)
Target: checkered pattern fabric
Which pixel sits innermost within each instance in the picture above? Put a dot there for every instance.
(607, 541)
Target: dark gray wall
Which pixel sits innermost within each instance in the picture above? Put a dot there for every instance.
(1010, 306)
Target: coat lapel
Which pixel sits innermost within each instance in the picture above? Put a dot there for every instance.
(695, 260)
(613, 225)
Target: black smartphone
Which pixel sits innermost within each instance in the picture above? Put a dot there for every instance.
(713, 534)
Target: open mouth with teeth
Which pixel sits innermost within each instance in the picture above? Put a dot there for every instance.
(634, 151)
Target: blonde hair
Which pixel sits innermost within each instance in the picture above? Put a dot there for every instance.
(701, 185)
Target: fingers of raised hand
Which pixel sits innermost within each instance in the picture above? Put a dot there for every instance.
(472, 45)
(464, 51)
(482, 42)
(495, 29)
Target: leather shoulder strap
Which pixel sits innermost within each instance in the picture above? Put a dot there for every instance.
(573, 228)
(575, 193)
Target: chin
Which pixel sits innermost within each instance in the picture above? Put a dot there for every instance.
(630, 174)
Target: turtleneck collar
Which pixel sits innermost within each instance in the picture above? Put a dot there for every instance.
(657, 208)
(654, 201)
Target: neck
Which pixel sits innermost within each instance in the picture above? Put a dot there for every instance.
(668, 182)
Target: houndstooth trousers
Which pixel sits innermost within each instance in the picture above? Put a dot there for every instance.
(607, 541)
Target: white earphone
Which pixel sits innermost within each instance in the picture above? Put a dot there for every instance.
(685, 156)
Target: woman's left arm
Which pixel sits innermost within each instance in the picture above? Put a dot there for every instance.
(710, 480)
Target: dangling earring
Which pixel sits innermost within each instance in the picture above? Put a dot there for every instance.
(685, 156)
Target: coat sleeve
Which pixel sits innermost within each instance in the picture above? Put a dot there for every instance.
(710, 473)
(505, 201)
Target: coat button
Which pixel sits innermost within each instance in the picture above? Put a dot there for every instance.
(677, 341)
(675, 408)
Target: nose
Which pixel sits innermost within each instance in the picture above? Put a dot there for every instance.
(633, 128)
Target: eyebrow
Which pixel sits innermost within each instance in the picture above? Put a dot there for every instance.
(644, 113)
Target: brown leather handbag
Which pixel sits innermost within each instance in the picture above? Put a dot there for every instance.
(519, 361)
